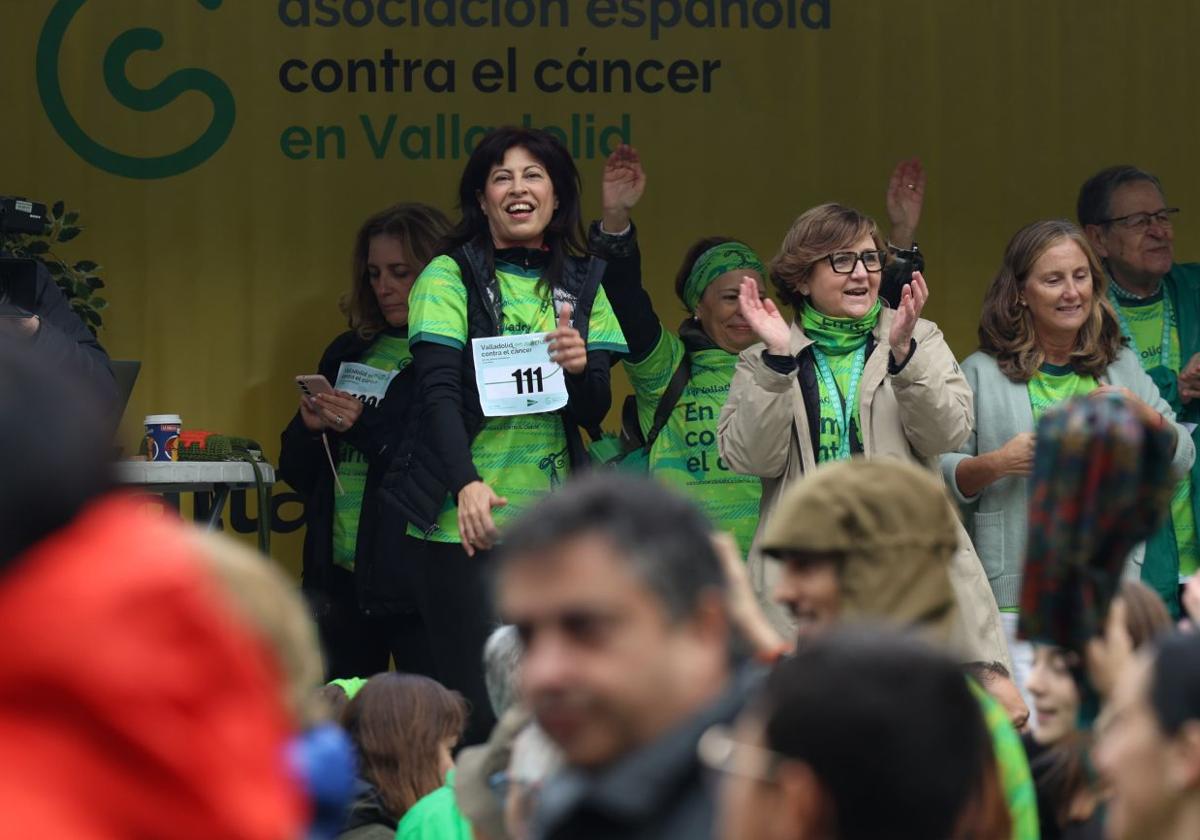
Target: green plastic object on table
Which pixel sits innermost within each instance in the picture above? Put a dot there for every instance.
(198, 445)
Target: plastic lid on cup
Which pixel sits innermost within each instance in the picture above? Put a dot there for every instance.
(163, 419)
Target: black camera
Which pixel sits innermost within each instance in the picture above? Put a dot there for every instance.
(18, 215)
(18, 278)
(18, 288)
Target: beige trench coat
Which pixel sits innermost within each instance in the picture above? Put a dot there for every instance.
(916, 415)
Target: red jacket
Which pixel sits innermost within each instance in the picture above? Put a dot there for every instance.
(133, 702)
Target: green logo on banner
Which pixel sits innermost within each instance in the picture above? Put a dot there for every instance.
(152, 99)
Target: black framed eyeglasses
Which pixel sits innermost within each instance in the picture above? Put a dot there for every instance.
(843, 262)
(1141, 221)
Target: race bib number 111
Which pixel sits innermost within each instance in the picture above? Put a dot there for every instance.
(515, 375)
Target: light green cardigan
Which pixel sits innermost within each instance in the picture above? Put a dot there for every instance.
(997, 518)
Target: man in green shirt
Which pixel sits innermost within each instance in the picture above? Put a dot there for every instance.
(1125, 215)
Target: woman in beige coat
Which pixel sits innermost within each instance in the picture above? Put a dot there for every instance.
(849, 377)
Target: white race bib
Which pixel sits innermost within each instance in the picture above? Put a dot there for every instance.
(365, 383)
(515, 375)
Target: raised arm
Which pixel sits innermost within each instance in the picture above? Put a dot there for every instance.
(905, 199)
(614, 239)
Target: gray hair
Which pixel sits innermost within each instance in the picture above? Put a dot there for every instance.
(501, 661)
(663, 536)
(1095, 196)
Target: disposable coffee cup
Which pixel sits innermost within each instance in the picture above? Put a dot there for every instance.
(162, 437)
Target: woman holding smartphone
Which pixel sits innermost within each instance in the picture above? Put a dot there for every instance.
(338, 444)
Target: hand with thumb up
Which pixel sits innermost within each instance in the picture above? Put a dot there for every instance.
(566, 344)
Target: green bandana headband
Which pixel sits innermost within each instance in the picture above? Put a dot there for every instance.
(836, 336)
(350, 685)
(728, 256)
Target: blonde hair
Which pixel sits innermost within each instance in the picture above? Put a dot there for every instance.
(1006, 329)
(269, 603)
(814, 235)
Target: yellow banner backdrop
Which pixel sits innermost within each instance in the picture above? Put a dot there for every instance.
(222, 154)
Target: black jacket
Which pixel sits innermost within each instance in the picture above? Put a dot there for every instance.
(439, 460)
(69, 346)
(659, 792)
(381, 578)
(369, 818)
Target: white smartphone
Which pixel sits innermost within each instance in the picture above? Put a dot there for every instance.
(313, 384)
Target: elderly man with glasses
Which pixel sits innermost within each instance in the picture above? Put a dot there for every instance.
(1126, 217)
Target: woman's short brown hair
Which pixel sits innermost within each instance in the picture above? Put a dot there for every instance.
(420, 229)
(398, 723)
(1146, 616)
(1006, 327)
(814, 235)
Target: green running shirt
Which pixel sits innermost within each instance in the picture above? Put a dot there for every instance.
(1053, 384)
(389, 353)
(523, 457)
(685, 455)
(1145, 325)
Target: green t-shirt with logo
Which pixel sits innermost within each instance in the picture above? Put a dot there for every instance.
(829, 440)
(1053, 384)
(522, 457)
(685, 455)
(1145, 320)
(388, 353)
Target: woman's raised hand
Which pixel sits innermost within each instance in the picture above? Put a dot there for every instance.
(905, 197)
(622, 187)
(912, 301)
(763, 317)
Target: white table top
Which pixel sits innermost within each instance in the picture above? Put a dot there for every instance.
(189, 476)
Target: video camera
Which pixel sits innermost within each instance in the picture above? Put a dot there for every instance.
(18, 278)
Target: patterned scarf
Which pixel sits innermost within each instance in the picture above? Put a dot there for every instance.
(1101, 484)
(838, 336)
(718, 260)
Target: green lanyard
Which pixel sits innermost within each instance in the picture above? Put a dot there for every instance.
(1164, 357)
(844, 407)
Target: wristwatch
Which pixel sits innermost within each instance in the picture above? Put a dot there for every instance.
(909, 254)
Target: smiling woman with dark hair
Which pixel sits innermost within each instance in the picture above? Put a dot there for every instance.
(512, 267)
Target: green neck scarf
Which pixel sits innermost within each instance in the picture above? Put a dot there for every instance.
(838, 336)
(718, 260)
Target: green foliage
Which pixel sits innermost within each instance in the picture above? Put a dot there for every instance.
(79, 281)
